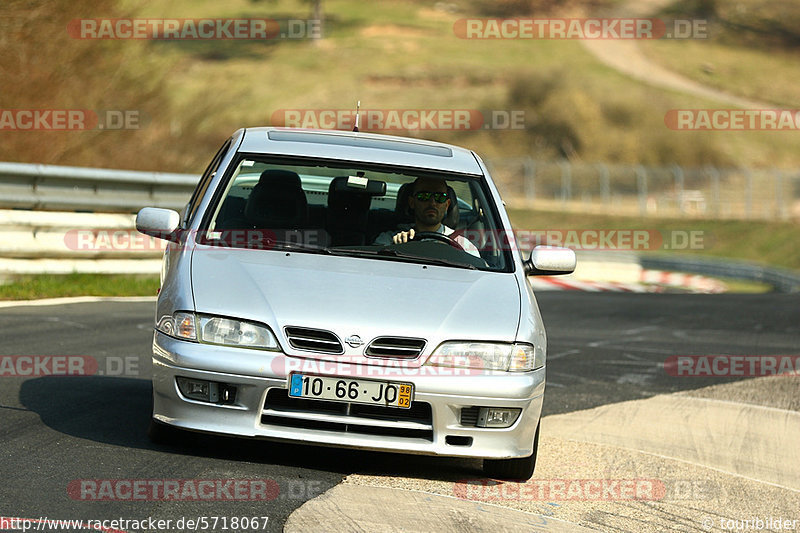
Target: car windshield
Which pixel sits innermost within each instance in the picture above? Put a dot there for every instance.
(356, 210)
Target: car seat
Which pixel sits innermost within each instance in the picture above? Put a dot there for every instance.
(348, 210)
(277, 201)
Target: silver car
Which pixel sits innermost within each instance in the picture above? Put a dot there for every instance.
(288, 311)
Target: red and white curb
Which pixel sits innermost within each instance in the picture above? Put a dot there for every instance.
(692, 282)
(547, 283)
(649, 281)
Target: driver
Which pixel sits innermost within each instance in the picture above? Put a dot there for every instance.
(428, 202)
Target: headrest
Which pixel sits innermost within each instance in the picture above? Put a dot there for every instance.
(451, 218)
(277, 201)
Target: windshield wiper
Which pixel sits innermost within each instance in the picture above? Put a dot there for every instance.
(290, 246)
(430, 260)
(338, 250)
(393, 252)
(268, 243)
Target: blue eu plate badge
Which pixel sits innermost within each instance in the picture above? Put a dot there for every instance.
(297, 385)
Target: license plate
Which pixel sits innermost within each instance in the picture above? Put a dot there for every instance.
(386, 393)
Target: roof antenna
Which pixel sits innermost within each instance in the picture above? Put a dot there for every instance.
(358, 106)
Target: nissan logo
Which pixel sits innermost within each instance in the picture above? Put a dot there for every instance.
(354, 341)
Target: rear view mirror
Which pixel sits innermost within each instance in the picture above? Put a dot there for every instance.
(361, 184)
(550, 261)
(159, 223)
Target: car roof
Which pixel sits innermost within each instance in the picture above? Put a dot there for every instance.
(362, 147)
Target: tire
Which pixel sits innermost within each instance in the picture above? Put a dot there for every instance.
(520, 469)
(161, 433)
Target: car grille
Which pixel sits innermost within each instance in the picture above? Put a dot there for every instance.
(397, 347)
(315, 340)
(341, 417)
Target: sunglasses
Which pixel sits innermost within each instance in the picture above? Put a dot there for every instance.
(424, 196)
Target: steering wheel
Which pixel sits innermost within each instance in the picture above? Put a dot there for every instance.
(436, 236)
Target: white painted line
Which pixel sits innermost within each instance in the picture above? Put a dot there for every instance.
(75, 300)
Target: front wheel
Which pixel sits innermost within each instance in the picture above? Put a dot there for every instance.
(520, 469)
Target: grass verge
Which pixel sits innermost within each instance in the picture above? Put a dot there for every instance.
(188, 95)
(745, 287)
(60, 285)
(406, 55)
(747, 48)
(746, 72)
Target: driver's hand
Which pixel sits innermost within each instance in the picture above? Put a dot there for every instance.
(403, 236)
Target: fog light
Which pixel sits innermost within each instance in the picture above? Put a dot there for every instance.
(207, 391)
(196, 389)
(497, 417)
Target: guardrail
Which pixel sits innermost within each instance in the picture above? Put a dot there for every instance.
(53, 188)
(54, 242)
(59, 219)
(782, 280)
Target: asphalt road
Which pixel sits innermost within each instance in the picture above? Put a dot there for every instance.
(611, 347)
(56, 431)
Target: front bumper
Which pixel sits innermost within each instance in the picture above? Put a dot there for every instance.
(261, 409)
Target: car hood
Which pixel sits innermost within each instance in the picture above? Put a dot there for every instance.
(354, 296)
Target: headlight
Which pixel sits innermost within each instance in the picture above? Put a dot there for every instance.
(488, 356)
(218, 330)
(231, 332)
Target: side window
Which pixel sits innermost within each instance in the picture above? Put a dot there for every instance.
(205, 181)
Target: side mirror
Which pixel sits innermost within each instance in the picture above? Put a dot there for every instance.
(159, 223)
(550, 261)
